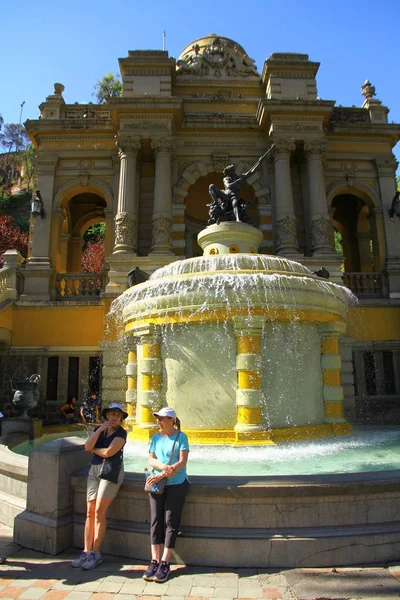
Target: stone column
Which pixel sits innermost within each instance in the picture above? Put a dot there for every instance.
(386, 169)
(331, 365)
(149, 377)
(286, 229)
(162, 211)
(248, 365)
(321, 224)
(13, 261)
(126, 217)
(113, 372)
(38, 268)
(347, 377)
(131, 392)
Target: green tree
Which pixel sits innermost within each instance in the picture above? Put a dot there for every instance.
(94, 233)
(13, 141)
(107, 87)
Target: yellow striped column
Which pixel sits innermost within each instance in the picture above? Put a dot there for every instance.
(150, 378)
(331, 366)
(248, 365)
(131, 392)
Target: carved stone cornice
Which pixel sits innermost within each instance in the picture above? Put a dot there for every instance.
(313, 147)
(128, 144)
(163, 144)
(386, 166)
(46, 165)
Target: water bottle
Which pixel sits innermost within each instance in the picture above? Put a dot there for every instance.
(147, 474)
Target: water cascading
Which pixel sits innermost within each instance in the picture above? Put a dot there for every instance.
(244, 346)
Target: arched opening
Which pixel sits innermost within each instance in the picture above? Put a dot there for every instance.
(82, 211)
(196, 210)
(351, 218)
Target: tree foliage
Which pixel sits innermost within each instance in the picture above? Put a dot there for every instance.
(11, 238)
(92, 260)
(107, 87)
(94, 233)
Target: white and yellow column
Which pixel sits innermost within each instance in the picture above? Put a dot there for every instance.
(149, 382)
(331, 367)
(249, 393)
(131, 392)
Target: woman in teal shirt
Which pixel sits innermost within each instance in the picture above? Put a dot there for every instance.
(166, 508)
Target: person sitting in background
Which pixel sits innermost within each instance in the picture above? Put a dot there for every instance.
(90, 409)
(68, 412)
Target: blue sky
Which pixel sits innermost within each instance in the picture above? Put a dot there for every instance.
(76, 44)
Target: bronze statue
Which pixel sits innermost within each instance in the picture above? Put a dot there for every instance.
(226, 204)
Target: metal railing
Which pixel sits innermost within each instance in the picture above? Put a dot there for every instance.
(79, 286)
(365, 285)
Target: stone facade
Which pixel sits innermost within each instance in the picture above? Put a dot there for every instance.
(142, 163)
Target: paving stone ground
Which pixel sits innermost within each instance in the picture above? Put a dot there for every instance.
(29, 575)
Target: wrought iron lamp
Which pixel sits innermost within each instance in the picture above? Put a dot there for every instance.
(395, 208)
(37, 206)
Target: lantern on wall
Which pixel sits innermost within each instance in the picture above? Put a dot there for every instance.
(395, 208)
(37, 206)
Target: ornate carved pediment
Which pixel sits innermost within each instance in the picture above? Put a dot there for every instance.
(220, 57)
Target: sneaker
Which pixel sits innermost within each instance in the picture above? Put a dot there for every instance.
(163, 572)
(151, 570)
(94, 559)
(78, 562)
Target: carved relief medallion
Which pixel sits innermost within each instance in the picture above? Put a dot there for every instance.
(125, 230)
(162, 228)
(286, 230)
(321, 233)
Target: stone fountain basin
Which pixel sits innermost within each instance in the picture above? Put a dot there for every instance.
(264, 522)
(196, 295)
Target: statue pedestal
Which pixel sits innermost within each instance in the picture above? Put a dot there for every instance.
(230, 237)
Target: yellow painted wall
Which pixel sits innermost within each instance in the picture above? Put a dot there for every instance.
(375, 323)
(84, 325)
(6, 317)
(58, 326)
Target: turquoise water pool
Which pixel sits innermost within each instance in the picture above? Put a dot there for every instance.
(367, 449)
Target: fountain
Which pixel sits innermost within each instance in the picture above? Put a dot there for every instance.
(244, 346)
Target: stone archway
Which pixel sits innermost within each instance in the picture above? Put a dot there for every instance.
(202, 169)
(355, 215)
(67, 222)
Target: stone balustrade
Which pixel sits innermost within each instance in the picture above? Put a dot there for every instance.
(364, 285)
(79, 286)
(5, 274)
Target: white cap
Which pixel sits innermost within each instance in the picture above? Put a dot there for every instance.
(165, 412)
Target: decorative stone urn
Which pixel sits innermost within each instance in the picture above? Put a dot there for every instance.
(25, 393)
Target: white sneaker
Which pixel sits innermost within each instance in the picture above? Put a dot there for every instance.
(94, 559)
(78, 562)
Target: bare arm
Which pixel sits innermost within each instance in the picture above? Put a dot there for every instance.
(113, 448)
(166, 470)
(62, 409)
(181, 464)
(91, 441)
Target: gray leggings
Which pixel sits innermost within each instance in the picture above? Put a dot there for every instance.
(166, 511)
